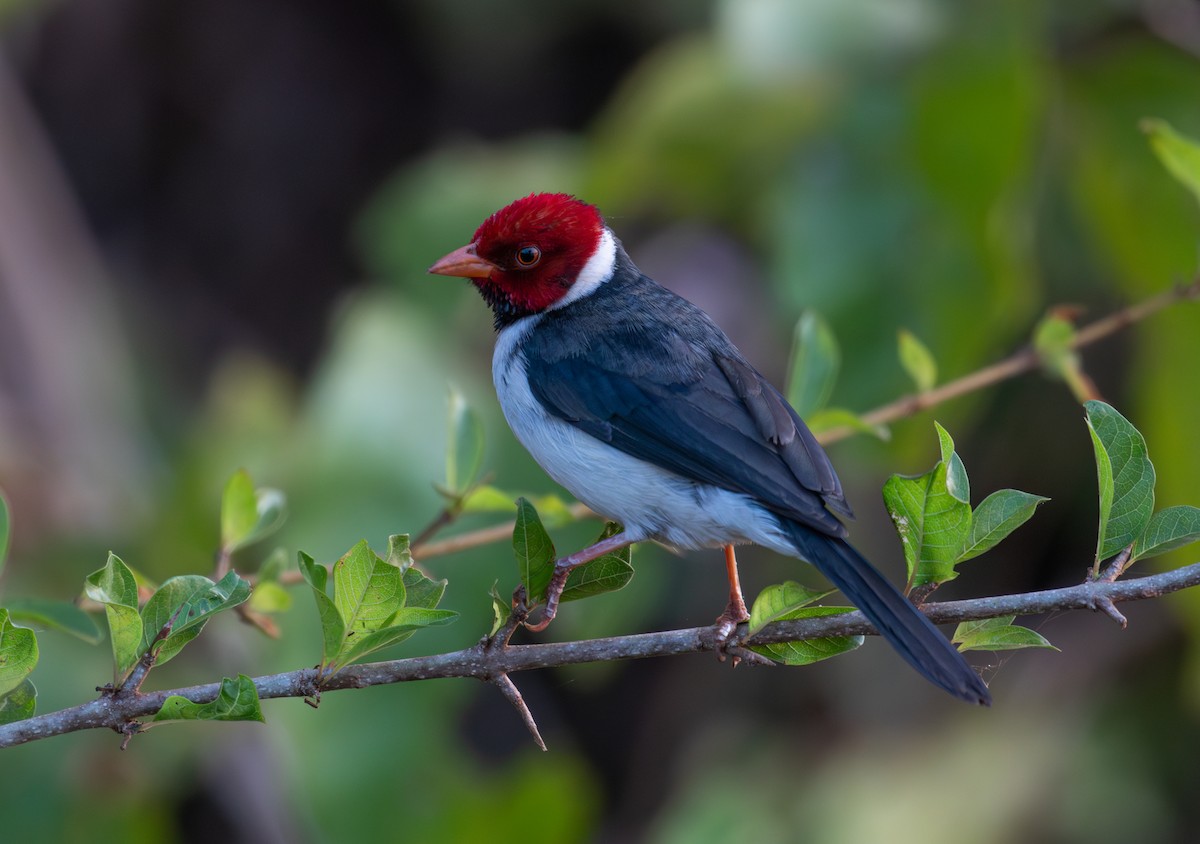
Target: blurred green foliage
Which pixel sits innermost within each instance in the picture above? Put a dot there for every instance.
(947, 169)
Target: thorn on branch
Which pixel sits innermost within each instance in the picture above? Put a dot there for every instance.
(510, 691)
(129, 729)
(1104, 604)
(743, 654)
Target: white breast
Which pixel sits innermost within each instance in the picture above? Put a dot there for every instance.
(650, 502)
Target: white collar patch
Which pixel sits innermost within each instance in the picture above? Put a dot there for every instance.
(598, 270)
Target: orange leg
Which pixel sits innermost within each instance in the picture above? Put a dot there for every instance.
(735, 612)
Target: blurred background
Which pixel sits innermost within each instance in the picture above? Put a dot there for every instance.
(215, 219)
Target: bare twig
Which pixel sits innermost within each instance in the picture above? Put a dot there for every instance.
(485, 663)
(1020, 362)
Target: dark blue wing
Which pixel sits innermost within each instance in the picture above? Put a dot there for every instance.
(685, 400)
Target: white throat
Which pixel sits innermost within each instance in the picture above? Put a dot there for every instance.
(597, 270)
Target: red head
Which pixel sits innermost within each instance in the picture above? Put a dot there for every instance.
(527, 256)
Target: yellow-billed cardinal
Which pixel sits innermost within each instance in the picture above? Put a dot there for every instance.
(634, 400)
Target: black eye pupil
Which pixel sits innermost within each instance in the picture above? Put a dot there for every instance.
(528, 255)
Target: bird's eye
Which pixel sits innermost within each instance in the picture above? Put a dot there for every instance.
(527, 256)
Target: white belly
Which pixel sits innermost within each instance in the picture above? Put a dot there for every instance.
(650, 502)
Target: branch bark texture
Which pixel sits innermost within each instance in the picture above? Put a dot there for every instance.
(490, 661)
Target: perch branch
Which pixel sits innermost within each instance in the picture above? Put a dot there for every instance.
(484, 661)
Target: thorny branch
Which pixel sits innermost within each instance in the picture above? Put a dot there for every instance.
(491, 660)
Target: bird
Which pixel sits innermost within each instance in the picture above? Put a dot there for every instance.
(635, 401)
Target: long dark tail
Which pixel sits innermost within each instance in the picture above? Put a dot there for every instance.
(902, 624)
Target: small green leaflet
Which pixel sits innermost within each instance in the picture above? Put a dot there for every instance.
(808, 651)
(831, 418)
(18, 653)
(332, 629)
(187, 602)
(464, 451)
(787, 601)
(933, 524)
(1126, 479)
(1178, 153)
(237, 700)
(500, 609)
(997, 634)
(19, 704)
(114, 586)
(917, 361)
(399, 554)
(57, 615)
(1169, 529)
(366, 590)
(552, 510)
(814, 364)
(603, 574)
(996, 517)
(534, 552)
(247, 514)
(776, 602)
(269, 596)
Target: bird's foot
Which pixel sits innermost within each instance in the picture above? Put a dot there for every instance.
(554, 590)
(724, 628)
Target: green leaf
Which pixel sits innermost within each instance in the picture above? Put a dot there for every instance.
(552, 510)
(19, 704)
(269, 597)
(1053, 341)
(957, 483)
(997, 634)
(421, 591)
(603, 574)
(917, 361)
(399, 627)
(464, 451)
(58, 615)
(815, 360)
(832, 418)
(366, 590)
(239, 509)
(996, 517)
(1169, 529)
(237, 700)
(273, 566)
(500, 609)
(933, 524)
(399, 554)
(1126, 478)
(18, 653)
(247, 514)
(775, 602)
(808, 651)
(1179, 153)
(4, 530)
(187, 602)
(332, 627)
(116, 588)
(609, 573)
(534, 552)
(487, 499)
